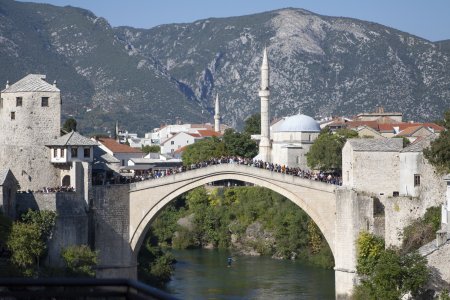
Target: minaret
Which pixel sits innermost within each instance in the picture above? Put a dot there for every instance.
(264, 93)
(217, 115)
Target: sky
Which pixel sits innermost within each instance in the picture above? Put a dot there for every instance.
(429, 19)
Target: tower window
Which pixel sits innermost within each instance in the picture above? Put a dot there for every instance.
(416, 180)
(18, 101)
(74, 152)
(13, 115)
(44, 101)
(87, 152)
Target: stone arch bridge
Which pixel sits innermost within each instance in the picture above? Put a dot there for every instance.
(123, 214)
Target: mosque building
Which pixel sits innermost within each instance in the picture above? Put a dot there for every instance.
(288, 140)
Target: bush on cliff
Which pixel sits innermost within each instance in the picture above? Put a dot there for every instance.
(387, 273)
(80, 260)
(422, 230)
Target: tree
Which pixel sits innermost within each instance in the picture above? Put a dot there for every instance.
(387, 273)
(44, 219)
(27, 240)
(253, 124)
(325, 153)
(203, 150)
(79, 260)
(150, 149)
(239, 144)
(27, 246)
(438, 153)
(70, 125)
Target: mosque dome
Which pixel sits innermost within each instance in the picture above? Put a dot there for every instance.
(298, 123)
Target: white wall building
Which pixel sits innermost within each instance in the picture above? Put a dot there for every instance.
(177, 141)
(120, 151)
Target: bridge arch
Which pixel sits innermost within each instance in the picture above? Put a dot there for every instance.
(148, 198)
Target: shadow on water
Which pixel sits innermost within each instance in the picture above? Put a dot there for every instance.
(203, 274)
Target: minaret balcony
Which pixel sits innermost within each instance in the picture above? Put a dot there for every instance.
(264, 93)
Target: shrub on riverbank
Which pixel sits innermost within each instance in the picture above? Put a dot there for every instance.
(388, 273)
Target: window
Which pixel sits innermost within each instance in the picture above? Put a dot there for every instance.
(13, 115)
(44, 101)
(172, 142)
(74, 152)
(55, 152)
(18, 101)
(123, 162)
(87, 152)
(416, 180)
(62, 153)
(1, 102)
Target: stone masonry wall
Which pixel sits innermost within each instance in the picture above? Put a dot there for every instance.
(402, 211)
(71, 226)
(110, 206)
(23, 139)
(376, 172)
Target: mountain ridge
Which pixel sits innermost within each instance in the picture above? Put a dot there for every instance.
(320, 65)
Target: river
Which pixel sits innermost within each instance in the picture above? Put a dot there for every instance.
(203, 274)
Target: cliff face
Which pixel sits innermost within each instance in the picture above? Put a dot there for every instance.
(319, 65)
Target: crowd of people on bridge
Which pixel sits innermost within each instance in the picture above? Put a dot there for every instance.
(330, 178)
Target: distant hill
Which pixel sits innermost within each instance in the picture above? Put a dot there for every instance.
(144, 77)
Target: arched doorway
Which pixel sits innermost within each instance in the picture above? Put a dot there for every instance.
(66, 181)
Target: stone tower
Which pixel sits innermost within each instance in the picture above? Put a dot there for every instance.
(217, 115)
(264, 93)
(30, 117)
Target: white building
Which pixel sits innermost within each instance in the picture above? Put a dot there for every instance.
(121, 152)
(411, 167)
(182, 139)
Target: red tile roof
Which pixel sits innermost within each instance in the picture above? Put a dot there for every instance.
(355, 124)
(409, 130)
(209, 133)
(182, 149)
(404, 125)
(114, 146)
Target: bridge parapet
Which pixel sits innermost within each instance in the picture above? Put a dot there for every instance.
(234, 169)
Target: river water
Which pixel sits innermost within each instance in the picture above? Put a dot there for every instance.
(203, 274)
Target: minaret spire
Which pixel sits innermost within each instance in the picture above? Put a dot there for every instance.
(217, 115)
(264, 93)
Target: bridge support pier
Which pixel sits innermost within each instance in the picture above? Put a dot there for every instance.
(354, 213)
(345, 281)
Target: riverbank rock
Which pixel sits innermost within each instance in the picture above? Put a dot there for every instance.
(256, 241)
(187, 222)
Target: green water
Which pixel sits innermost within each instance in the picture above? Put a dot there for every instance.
(203, 274)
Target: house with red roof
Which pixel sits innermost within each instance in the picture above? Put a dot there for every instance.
(121, 152)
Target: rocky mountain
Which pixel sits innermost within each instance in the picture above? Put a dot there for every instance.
(320, 66)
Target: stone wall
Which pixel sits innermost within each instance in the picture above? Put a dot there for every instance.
(71, 226)
(438, 262)
(111, 213)
(372, 172)
(402, 211)
(23, 139)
